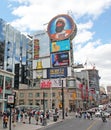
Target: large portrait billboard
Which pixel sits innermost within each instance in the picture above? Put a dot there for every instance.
(58, 46)
(61, 27)
(60, 59)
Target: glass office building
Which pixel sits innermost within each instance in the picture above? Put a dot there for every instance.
(13, 51)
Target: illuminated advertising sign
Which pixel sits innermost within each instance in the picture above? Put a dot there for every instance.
(60, 59)
(61, 27)
(58, 46)
(57, 72)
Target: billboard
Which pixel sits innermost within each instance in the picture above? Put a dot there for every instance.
(58, 46)
(36, 49)
(41, 63)
(57, 72)
(38, 74)
(52, 83)
(44, 43)
(61, 27)
(60, 59)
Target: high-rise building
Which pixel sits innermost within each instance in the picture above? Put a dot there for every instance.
(13, 52)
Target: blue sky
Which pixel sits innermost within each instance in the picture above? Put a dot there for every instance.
(93, 40)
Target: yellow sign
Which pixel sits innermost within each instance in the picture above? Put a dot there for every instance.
(74, 95)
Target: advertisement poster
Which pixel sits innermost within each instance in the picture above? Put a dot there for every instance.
(58, 46)
(52, 83)
(36, 49)
(60, 59)
(61, 27)
(57, 72)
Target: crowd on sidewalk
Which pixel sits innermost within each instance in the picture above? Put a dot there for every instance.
(28, 116)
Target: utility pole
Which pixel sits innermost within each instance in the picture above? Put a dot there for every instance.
(44, 103)
(62, 100)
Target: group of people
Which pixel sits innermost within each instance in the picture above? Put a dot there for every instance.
(84, 114)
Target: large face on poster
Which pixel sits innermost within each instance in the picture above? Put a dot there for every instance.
(61, 27)
(58, 46)
(57, 72)
(60, 59)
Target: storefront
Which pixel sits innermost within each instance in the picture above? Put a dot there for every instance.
(6, 85)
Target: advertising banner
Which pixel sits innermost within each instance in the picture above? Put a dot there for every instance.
(44, 43)
(58, 46)
(57, 72)
(41, 63)
(36, 49)
(60, 59)
(51, 83)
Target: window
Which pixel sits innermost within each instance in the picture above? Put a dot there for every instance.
(21, 102)
(37, 102)
(46, 94)
(53, 94)
(37, 95)
(30, 95)
(30, 102)
(21, 95)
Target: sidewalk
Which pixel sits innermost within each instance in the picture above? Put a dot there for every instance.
(33, 126)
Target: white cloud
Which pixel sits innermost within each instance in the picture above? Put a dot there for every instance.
(100, 56)
(35, 13)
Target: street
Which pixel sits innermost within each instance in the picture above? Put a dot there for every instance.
(81, 124)
(70, 123)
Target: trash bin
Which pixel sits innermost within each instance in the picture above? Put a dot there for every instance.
(54, 117)
(44, 122)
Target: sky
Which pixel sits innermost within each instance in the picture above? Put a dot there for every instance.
(92, 43)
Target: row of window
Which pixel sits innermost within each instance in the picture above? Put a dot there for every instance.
(21, 95)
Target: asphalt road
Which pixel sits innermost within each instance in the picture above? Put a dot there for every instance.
(81, 124)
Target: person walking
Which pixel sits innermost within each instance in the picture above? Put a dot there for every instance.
(5, 121)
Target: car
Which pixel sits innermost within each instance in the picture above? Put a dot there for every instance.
(98, 114)
(107, 114)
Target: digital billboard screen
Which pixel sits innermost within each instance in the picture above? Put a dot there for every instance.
(58, 46)
(57, 72)
(60, 59)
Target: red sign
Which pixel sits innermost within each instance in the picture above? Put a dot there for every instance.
(45, 84)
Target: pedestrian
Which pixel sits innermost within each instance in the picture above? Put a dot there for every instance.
(76, 114)
(41, 118)
(37, 117)
(30, 115)
(5, 121)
